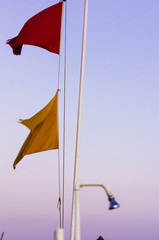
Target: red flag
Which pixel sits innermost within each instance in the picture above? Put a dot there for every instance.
(42, 30)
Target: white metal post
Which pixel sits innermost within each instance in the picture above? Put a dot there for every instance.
(77, 220)
(79, 119)
(59, 234)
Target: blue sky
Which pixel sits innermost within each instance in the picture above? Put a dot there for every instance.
(119, 132)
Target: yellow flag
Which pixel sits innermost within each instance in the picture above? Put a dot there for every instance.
(43, 131)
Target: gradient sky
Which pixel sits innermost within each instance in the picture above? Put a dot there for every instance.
(120, 121)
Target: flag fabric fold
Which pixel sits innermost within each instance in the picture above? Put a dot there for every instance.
(42, 30)
(43, 134)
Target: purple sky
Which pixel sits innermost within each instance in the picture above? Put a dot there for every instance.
(120, 122)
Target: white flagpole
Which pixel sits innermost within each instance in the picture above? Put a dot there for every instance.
(74, 202)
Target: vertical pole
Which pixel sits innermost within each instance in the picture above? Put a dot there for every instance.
(59, 234)
(78, 234)
(79, 120)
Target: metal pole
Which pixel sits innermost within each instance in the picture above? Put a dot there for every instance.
(79, 119)
(80, 185)
(59, 234)
(77, 220)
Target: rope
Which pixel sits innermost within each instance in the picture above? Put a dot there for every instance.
(59, 207)
(59, 200)
(64, 118)
(64, 127)
(59, 169)
(59, 66)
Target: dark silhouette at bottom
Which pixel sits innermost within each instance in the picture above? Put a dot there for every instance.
(100, 238)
